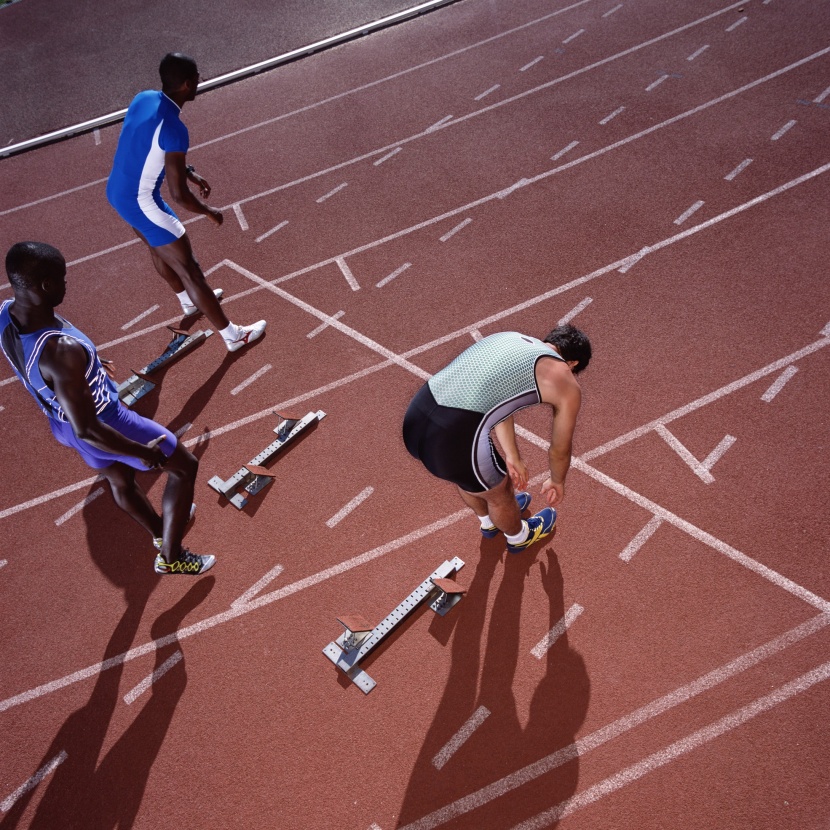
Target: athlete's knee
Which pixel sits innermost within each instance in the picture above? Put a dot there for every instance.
(182, 463)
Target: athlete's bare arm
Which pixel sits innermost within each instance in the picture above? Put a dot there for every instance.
(63, 365)
(560, 389)
(175, 168)
(506, 433)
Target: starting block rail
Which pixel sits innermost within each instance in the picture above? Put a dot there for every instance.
(354, 644)
(138, 384)
(253, 477)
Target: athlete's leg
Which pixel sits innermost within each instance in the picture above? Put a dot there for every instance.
(181, 469)
(500, 503)
(131, 498)
(164, 270)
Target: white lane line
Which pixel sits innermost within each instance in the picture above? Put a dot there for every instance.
(45, 770)
(574, 36)
(611, 11)
(182, 430)
(633, 547)
(240, 216)
(258, 586)
(822, 96)
(619, 727)
(725, 443)
(325, 324)
(558, 155)
(395, 273)
(687, 213)
(355, 502)
(656, 83)
(456, 229)
(737, 23)
(739, 169)
(788, 126)
(80, 506)
(145, 684)
(476, 335)
(3, 563)
(347, 273)
(697, 53)
(387, 156)
(461, 737)
(632, 260)
(696, 467)
(503, 194)
(612, 115)
(487, 92)
(437, 124)
(332, 192)
(5, 285)
(544, 645)
(675, 750)
(273, 230)
(532, 63)
(574, 311)
(374, 826)
(779, 383)
(248, 381)
(96, 135)
(139, 318)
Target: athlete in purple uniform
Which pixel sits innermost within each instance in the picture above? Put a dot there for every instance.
(59, 366)
(154, 142)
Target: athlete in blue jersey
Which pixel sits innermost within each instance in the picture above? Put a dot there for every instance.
(154, 143)
(59, 366)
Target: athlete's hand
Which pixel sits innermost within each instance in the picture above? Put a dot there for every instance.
(154, 458)
(108, 366)
(553, 493)
(204, 187)
(517, 470)
(215, 216)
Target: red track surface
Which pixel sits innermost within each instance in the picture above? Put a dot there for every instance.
(690, 688)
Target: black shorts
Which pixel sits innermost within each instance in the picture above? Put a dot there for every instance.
(452, 443)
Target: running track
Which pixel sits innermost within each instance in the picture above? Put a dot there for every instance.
(654, 172)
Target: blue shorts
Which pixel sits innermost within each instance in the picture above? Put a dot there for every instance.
(150, 215)
(130, 425)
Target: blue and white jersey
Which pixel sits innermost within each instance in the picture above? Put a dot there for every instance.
(23, 352)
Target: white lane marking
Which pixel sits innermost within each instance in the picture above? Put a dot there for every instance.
(240, 216)
(2, 408)
(80, 506)
(696, 467)
(633, 547)
(619, 727)
(456, 229)
(487, 92)
(395, 273)
(574, 311)
(461, 737)
(145, 684)
(656, 83)
(725, 443)
(3, 563)
(332, 192)
(4, 286)
(273, 230)
(611, 11)
(438, 124)
(532, 63)
(822, 96)
(355, 502)
(788, 126)
(347, 273)
(387, 156)
(503, 194)
(182, 430)
(574, 36)
(476, 335)
(258, 586)
(96, 135)
(544, 645)
(139, 318)
(612, 115)
(632, 260)
(558, 155)
(677, 749)
(825, 332)
(740, 168)
(779, 383)
(687, 213)
(374, 826)
(698, 52)
(736, 24)
(45, 770)
(248, 381)
(325, 324)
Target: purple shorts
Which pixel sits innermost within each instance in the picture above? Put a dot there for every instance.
(130, 425)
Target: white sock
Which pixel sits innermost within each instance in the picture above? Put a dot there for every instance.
(184, 298)
(230, 333)
(486, 521)
(520, 536)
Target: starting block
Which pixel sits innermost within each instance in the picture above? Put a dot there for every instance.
(253, 477)
(138, 384)
(359, 637)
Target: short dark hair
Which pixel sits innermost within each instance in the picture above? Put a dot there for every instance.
(29, 262)
(572, 344)
(176, 68)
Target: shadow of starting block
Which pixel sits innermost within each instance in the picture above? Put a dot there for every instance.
(138, 384)
(359, 637)
(253, 477)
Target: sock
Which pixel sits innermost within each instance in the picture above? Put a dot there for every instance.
(184, 298)
(230, 333)
(486, 521)
(520, 536)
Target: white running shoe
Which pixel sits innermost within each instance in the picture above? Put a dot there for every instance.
(188, 309)
(246, 335)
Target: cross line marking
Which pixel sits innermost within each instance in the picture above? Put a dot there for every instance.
(640, 539)
(461, 737)
(354, 503)
(145, 684)
(45, 770)
(779, 383)
(347, 273)
(325, 324)
(544, 645)
(258, 586)
(240, 216)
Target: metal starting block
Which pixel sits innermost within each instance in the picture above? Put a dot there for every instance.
(253, 477)
(138, 384)
(358, 639)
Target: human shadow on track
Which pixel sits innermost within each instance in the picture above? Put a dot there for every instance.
(500, 746)
(87, 791)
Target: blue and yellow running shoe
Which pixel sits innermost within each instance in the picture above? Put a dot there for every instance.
(522, 499)
(539, 526)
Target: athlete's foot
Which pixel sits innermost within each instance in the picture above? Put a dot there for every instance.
(186, 562)
(538, 526)
(245, 335)
(188, 309)
(522, 499)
